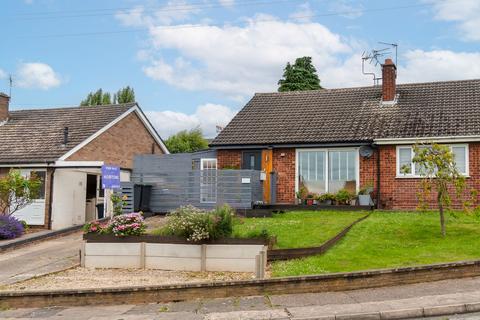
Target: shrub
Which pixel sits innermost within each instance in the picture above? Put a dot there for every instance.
(195, 224)
(10, 227)
(131, 224)
(96, 227)
(343, 196)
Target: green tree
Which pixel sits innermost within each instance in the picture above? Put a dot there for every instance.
(97, 98)
(186, 141)
(124, 95)
(436, 164)
(16, 191)
(302, 75)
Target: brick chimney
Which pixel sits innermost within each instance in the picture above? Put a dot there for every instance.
(4, 102)
(389, 77)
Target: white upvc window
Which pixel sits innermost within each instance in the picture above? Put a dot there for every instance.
(327, 170)
(407, 169)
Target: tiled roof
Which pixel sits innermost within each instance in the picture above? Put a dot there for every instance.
(435, 109)
(37, 135)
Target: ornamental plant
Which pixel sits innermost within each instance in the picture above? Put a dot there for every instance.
(195, 225)
(131, 224)
(439, 174)
(118, 202)
(17, 191)
(97, 227)
(10, 227)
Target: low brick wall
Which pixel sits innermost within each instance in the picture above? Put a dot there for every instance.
(167, 293)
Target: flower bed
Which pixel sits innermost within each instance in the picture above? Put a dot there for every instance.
(192, 240)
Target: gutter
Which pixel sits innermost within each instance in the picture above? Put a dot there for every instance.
(290, 145)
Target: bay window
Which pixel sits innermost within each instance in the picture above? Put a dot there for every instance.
(406, 167)
(325, 170)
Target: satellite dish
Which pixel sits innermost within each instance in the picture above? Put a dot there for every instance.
(366, 151)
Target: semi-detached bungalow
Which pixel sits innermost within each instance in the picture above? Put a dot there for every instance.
(348, 138)
(66, 148)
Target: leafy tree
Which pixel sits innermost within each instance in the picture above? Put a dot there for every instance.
(97, 98)
(186, 141)
(302, 75)
(124, 95)
(439, 172)
(16, 191)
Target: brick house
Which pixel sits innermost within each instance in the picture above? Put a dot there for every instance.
(330, 139)
(65, 148)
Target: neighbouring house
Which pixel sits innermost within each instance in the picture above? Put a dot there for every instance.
(65, 148)
(330, 139)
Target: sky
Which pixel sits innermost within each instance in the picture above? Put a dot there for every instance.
(195, 63)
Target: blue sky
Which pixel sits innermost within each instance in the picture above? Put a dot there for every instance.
(197, 62)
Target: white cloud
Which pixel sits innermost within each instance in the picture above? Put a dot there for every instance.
(206, 116)
(227, 3)
(172, 11)
(465, 12)
(304, 13)
(37, 75)
(3, 74)
(242, 60)
(438, 65)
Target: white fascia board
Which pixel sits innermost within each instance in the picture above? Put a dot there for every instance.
(142, 117)
(151, 129)
(90, 164)
(450, 139)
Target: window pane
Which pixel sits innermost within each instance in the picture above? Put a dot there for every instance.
(343, 171)
(41, 175)
(405, 161)
(312, 170)
(460, 154)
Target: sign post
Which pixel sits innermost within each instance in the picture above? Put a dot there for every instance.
(110, 182)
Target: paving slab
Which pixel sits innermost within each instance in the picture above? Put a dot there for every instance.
(274, 314)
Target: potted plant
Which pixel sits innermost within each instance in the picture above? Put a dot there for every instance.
(344, 196)
(309, 200)
(326, 198)
(302, 194)
(364, 198)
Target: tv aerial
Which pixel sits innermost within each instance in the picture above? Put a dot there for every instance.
(375, 57)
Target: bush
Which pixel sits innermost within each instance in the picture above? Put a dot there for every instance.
(10, 227)
(343, 196)
(195, 225)
(96, 227)
(131, 224)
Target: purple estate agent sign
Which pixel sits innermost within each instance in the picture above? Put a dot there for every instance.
(110, 177)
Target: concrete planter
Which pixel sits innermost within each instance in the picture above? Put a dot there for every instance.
(125, 253)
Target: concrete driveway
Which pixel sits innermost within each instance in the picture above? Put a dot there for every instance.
(40, 258)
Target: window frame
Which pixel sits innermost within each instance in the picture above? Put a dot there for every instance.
(414, 174)
(327, 164)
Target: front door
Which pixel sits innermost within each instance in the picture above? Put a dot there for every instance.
(34, 213)
(252, 160)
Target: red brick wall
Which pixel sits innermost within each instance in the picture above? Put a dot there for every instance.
(119, 144)
(284, 166)
(401, 193)
(229, 158)
(395, 193)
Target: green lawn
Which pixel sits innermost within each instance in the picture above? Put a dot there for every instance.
(390, 239)
(300, 228)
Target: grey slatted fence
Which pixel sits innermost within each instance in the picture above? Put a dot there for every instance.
(127, 190)
(201, 188)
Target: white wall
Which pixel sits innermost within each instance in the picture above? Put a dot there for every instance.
(69, 198)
